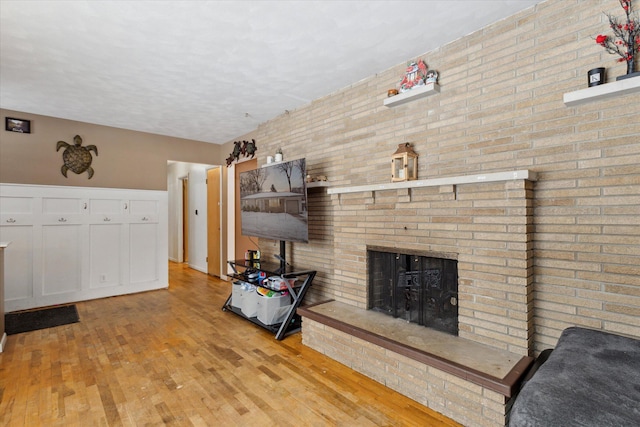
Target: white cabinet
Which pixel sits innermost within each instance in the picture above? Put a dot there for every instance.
(76, 243)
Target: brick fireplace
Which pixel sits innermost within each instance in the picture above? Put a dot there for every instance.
(483, 221)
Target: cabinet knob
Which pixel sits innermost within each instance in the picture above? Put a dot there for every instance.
(144, 218)
(11, 220)
(106, 219)
(62, 220)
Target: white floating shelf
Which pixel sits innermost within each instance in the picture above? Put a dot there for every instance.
(453, 180)
(413, 94)
(317, 184)
(607, 90)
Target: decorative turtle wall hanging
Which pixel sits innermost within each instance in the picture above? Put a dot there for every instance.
(76, 157)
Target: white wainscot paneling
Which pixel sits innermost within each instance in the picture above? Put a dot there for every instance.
(77, 243)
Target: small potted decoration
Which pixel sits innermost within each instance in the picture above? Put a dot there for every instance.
(626, 40)
(278, 157)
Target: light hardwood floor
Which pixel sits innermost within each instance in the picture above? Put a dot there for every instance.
(173, 357)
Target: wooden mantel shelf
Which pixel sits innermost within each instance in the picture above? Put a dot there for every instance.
(453, 180)
(607, 90)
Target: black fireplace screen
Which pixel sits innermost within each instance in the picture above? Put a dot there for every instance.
(418, 289)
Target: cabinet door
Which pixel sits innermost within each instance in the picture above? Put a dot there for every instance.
(105, 246)
(16, 226)
(143, 256)
(18, 280)
(61, 259)
(143, 240)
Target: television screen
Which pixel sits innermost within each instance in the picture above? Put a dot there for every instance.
(273, 202)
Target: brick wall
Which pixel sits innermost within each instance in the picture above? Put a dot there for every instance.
(500, 108)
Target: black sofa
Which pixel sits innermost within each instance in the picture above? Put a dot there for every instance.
(591, 378)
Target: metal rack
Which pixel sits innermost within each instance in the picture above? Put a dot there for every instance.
(292, 321)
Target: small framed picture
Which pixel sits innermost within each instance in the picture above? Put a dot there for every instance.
(17, 125)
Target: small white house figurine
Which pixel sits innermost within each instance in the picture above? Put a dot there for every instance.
(415, 74)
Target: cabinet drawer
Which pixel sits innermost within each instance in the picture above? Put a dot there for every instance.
(107, 207)
(16, 219)
(16, 205)
(144, 207)
(59, 205)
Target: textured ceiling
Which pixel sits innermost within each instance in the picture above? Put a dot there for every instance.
(211, 70)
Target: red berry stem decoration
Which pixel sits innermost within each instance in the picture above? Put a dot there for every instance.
(626, 40)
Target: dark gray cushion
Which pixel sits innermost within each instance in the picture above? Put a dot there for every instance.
(592, 378)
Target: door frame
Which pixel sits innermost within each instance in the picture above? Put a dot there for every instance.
(213, 205)
(231, 211)
(183, 220)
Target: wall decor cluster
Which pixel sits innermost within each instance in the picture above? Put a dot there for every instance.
(626, 38)
(17, 125)
(76, 157)
(417, 75)
(244, 148)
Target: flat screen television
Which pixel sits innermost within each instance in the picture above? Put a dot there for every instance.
(273, 202)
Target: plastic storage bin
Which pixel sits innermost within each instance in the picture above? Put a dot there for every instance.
(272, 310)
(244, 297)
(236, 295)
(250, 303)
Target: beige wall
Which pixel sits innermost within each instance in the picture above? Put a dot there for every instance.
(126, 159)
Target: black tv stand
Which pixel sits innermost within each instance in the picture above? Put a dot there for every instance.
(292, 321)
(283, 256)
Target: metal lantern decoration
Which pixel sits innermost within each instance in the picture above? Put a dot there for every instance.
(404, 164)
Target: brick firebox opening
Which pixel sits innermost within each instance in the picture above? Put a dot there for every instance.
(415, 287)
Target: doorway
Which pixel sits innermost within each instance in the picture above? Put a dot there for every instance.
(190, 240)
